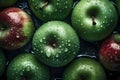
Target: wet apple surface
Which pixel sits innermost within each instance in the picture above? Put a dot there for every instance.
(89, 49)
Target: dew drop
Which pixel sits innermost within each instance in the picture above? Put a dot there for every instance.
(111, 20)
(28, 68)
(66, 7)
(103, 21)
(41, 51)
(44, 38)
(66, 2)
(105, 16)
(56, 10)
(17, 36)
(57, 55)
(69, 44)
(66, 50)
(41, 40)
(57, 4)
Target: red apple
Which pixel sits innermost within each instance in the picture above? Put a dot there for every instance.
(109, 53)
(16, 28)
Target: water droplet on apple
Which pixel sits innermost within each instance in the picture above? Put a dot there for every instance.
(66, 50)
(105, 16)
(41, 40)
(60, 11)
(60, 52)
(81, 24)
(41, 51)
(56, 10)
(43, 15)
(44, 38)
(69, 44)
(57, 4)
(103, 21)
(111, 20)
(66, 7)
(37, 68)
(101, 26)
(84, 32)
(60, 46)
(66, 2)
(28, 68)
(68, 41)
(74, 52)
(57, 55)
(110, 10)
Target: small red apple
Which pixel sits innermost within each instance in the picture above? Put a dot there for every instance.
(109, 53)
(16, 28)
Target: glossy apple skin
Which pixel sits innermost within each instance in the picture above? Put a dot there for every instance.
(55, 43)
(54, 10)
(26, 67)
(93, 20)
(109, 54)
(84, 69)
(6, 3)
(2, 62)
(16, 28)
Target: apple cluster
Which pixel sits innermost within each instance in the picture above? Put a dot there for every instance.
(42, 39)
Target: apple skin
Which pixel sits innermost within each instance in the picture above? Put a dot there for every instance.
(2, 62)
(93, 20)
(47, 10)
(26, 67)
(55, 43)
(16, 28)
(109, 53)
(84, 69)
(6, 3)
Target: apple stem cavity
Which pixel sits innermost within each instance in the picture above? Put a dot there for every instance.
(43, 5)
(53, 43)
(93, 20)
(82, 77)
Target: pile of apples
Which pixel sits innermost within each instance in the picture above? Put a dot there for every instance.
(56, 42)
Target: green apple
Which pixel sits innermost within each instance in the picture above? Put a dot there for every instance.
(94, 20)
(6, 3)
(51, 9)
(55, 43)
(16, 28)
(84, 69)
(26, 67)
(2, 62)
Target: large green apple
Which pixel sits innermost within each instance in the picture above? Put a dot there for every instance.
(55, 43)
(26, 67)
(6, 3)
(94, 20)
(84, 69)
(51, 9)
(2, 62)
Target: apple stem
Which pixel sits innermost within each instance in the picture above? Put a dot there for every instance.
(44, 5)
(93, 20)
